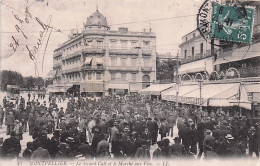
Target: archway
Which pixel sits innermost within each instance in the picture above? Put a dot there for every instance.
(186, 77)
(146, 81)
(198, 76)
(232, 73)
(214, 76)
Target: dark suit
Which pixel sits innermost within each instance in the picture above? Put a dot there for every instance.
(40, 154)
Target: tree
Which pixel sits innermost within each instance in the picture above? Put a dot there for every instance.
(9, 77)
(29, 82)
(165, 70)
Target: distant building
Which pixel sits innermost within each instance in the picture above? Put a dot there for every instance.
(101, 61)
(195, 56)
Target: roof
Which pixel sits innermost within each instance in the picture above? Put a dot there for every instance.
(96, 19)
(156, 89)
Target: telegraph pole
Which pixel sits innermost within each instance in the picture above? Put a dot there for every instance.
(177, 80)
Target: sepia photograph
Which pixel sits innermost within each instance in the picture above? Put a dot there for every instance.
(129, 82)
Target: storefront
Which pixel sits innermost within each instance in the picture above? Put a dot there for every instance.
(155, 90)
(210, 95)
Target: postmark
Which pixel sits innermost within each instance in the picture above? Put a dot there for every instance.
(230, 23)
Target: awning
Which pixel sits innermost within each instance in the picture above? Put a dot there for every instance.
(196, 66)
(99, 61)
(92, 87)
(117, 86)
(156, 89)
(191, 94)
(88, 60)
(182, 90)
(239, 54)
(252, 87)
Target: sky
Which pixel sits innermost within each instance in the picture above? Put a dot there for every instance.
(20, 30)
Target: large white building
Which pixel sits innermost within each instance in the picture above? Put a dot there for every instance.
(102, 61)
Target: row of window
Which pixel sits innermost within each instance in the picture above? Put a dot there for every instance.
(123, 61)
(123, 76)
(72, 76)
(193, 51)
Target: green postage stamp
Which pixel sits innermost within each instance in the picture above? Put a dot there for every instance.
(230, 23)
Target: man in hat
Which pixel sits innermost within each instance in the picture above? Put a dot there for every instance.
(143, 152)
(158, 154)
(153, 129)
(64, 149)
(114, 138)
(1, 116)
(208, 143)
(171, 122)
(27, 153)
(9, 122)
(40, 153)
(225, 148)
(103, 147)
(11, 147)
(253, 142)
(54, 144)
(177, 150)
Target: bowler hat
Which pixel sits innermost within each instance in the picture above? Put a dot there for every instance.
(229, 136)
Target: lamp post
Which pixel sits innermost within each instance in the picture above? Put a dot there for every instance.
(177, 80)
(200, 85)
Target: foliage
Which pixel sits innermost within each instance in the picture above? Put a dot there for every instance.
(165, 70)
(8, 77)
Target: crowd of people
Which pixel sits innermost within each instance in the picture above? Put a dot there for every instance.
(124, 128)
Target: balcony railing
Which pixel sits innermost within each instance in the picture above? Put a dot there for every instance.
(72, 70)
(115, 50)
(124, 68)
(93, 68)
(57, 63)
(146, 68)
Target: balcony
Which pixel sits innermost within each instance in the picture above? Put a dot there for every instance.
(57, 63)
(57, 53)
(123, 68)
(146, 68)
(119, 33)
(92, 68)
(72, 70)
(94, 50)
(73, 55)
(116, 51)
(199, 56)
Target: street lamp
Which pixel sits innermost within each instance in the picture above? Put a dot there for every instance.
(200, 85)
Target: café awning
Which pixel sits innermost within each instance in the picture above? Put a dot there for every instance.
(191, 94)
(239, 54)
(117, 86)
(156, 89)
(196, 66)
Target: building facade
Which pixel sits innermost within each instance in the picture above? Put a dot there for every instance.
(196, 57)
(101, 61)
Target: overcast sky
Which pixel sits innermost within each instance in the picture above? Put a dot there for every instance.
(70, 14)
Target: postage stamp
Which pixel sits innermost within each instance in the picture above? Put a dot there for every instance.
(231, 23)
